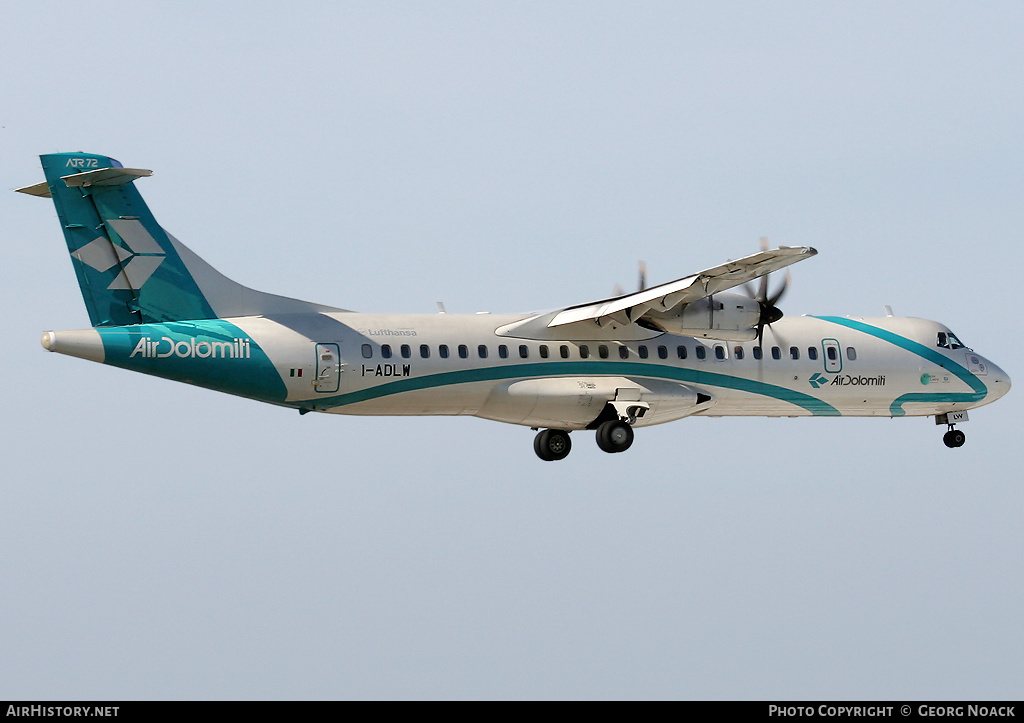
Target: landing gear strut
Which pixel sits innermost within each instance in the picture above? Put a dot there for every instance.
(552, 445)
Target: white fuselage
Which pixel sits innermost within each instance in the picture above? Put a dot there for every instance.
(446, 364)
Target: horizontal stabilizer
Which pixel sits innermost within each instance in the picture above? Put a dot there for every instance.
(99, 177)
(105, 177)
(42, 190)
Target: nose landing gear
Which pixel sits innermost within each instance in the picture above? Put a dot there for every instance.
(954, 438)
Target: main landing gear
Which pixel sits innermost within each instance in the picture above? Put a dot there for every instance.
(613, 436)
(552, 445)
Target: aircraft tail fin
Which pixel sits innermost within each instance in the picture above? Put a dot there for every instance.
(130, 270)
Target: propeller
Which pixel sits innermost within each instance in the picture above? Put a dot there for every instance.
(770, 312)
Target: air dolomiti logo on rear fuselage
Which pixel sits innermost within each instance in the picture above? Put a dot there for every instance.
(165, 346)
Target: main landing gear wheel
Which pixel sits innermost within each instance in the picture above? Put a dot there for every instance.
(614, 436)
(552, 445)
(954, 438)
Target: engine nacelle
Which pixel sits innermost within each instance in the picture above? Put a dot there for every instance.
(730, 317)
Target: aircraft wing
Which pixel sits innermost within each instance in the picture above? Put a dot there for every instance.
(624, 310)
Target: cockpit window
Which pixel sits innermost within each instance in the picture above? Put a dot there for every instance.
(948, 340)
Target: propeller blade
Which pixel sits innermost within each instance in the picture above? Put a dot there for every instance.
(774, 299)
(762, 289)
(643, 275)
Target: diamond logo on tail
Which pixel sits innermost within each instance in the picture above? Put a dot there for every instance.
(141, 252)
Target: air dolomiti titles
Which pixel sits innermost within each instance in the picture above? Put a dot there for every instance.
(147, 348)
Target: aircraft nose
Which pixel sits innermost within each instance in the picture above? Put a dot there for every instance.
(998, 381)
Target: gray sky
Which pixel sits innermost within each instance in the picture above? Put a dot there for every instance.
(160, 541)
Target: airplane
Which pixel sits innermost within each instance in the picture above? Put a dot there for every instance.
(684, 348)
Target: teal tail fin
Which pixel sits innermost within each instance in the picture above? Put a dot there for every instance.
(130, 270)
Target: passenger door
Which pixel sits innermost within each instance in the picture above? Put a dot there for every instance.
(328, 368)
(832, 355)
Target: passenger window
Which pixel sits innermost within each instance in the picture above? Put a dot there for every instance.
(367, 351)
(424, 351)
(406, 351)
(702, 351)
(681, 351)
(812, 353)
(831, 352)
(463, 351)
(776, 353)
(663, 352)
(758, 352)
(482, 351)
(524, 351)
(443, 351)
(623, 352)
(719, 352)
(602, 351)
(642, 351)
(385, 351)
(543, 351)
(851, 353)
(584, 351)
(794, 352)
(737, 352)
(503, 351)
(563, 351)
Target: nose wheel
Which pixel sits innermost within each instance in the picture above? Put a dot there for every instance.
(954, 438)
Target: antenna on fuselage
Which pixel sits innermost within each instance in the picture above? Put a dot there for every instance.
(440, 308)
(888, 310)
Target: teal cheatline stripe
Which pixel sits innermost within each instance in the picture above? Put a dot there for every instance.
(896, 408)
(525, 371)
(213, 353)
